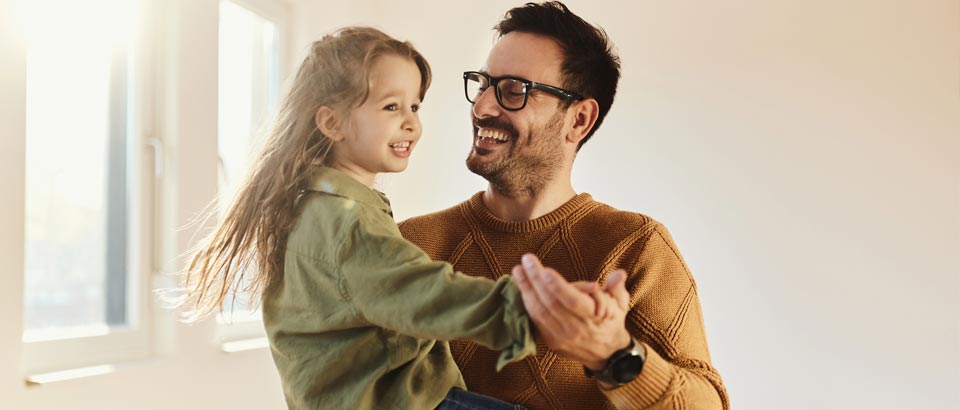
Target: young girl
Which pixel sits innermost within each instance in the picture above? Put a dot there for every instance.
(352, 310)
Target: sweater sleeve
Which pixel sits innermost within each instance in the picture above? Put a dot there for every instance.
(665, 316)
(393, 284)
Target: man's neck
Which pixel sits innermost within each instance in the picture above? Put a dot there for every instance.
(527, 206)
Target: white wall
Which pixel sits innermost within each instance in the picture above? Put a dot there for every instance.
(805, 155)
(12, 177)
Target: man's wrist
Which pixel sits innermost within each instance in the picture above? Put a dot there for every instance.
(623, 341)
(623, 366)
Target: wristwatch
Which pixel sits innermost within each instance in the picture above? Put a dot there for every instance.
(624, 366)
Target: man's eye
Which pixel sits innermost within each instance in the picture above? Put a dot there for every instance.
(390, 107)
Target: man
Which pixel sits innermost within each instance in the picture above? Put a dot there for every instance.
(544, 90)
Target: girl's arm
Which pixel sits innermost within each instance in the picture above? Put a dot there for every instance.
(395, 285)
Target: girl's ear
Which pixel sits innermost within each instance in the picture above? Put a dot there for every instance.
(328, 122)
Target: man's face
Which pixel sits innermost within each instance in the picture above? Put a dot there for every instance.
(520, 151)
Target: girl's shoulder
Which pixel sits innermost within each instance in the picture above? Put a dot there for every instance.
(323, 220)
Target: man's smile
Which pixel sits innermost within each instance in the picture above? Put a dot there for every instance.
(490, 138)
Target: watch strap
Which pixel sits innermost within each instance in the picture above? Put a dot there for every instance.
(607, 375)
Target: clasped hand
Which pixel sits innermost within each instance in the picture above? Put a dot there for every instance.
(579, 320)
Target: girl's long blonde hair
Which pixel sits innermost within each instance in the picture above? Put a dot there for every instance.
(251, 239)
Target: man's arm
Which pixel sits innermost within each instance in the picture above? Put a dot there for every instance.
(563, 320)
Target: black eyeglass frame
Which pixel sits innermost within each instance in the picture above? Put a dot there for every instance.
(528, 85)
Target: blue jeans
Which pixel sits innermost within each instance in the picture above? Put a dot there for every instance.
(458, 399)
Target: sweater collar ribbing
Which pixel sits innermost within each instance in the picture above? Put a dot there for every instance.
(550, 220)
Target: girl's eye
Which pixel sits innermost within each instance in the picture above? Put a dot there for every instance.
(391, 107)
(415, 107)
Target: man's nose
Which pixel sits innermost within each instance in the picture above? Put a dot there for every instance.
(486, 104)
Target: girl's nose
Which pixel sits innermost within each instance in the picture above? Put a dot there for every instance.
(412, 123)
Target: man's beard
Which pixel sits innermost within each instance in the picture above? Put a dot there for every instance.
(527, 167)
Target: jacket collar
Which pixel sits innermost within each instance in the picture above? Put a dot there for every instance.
(334, 182)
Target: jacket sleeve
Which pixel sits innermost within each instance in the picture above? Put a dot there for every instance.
(393, 284)
(665, 317)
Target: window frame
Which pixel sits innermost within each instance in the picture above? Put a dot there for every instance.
(132, 340)
(238, 326)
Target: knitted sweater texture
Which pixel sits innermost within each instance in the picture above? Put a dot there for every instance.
(583, 240)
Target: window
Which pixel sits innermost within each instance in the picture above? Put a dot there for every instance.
(81, 267)
(249, 83)
(90, 245)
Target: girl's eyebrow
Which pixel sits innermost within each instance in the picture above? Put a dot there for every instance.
(389, 94)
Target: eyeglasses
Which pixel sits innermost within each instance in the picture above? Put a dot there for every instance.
(511, 92)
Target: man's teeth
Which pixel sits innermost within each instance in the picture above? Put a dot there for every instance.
(400, 146)
(493, 134)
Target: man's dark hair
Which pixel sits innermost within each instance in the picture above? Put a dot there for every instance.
(589, 68)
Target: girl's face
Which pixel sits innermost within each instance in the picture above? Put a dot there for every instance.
(379, 135)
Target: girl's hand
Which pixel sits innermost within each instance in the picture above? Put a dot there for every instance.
(566, 317)
(604, 302)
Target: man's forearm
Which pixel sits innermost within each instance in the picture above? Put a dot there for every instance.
(665, 385)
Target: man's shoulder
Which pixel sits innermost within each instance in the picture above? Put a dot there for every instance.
(431, 221)
(436, 231)
(606, 218)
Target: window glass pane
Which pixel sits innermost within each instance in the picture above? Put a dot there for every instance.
(248, 88)
(77, 167)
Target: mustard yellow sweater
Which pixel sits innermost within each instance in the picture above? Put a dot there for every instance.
(583, 240)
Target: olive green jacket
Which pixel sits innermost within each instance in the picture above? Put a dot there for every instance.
(362, 316)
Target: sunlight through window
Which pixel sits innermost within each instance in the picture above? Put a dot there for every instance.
(78, 169)
(248, 88)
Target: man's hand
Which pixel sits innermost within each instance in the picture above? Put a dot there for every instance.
(573, 319)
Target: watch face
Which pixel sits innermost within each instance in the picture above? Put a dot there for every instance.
(627, 368)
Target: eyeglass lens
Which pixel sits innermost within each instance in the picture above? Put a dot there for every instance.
(510, 93)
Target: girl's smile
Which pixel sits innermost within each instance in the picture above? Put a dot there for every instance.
(402, 149)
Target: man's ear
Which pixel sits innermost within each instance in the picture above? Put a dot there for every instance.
(585, 114)
(328, 122)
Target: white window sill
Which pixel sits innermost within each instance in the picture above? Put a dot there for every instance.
(58, 376)
(40, 379)
(244, 345)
